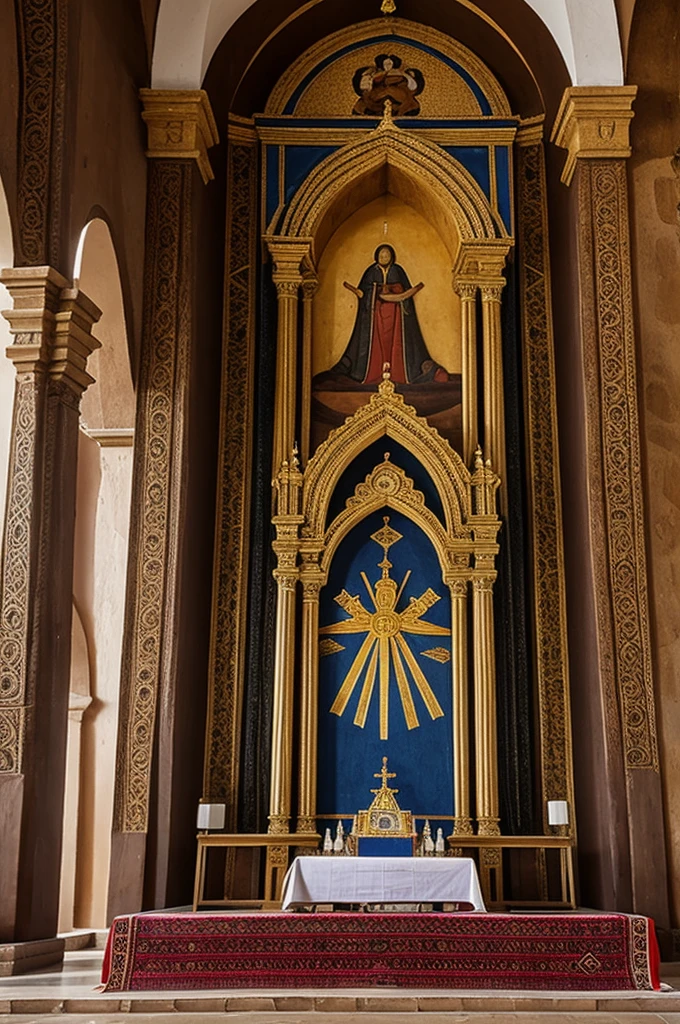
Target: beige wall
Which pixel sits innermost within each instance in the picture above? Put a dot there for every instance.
(100, 566)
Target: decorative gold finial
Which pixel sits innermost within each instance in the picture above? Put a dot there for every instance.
(388, 7)
(386, 371)
(387, 120)
(384, 775)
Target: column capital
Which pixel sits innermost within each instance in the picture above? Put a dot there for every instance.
(288, 256)
(180, 126)
(481, 259)
(593, 122)
(51, 324)
(465, 290)
(530, 131)
(492, 289)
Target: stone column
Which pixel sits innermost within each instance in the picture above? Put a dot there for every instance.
(461, 723)
(467, 292)
(593, 125)
(181, 129)
(287, 256)
(51, 325)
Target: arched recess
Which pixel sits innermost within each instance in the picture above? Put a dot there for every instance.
(7, 374)
(100, 564)
(420, 173)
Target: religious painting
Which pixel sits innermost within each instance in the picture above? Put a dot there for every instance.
(384, 669)
(381, 315)
(388, 79)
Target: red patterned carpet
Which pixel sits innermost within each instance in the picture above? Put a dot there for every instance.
(558, 952)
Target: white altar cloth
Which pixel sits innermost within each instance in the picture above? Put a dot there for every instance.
(312, 880)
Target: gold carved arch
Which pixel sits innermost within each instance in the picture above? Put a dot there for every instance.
(460, 204)
(386, 415)
(386, 486)
(317, 57)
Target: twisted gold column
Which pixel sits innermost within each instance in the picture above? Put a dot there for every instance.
(485, 707)
(461, 746)
(306, 821)
(494, 421)
(467, 293)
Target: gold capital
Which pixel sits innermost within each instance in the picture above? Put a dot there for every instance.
(180, 126)
(594, 122)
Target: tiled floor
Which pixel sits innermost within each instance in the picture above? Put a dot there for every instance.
(71, 995)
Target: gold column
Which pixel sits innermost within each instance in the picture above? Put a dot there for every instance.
(310, 285)
(467, 292)
(311, 587)
(494, 419)
(286, 546)
(461, 746)
(287, 276)
(485, 707)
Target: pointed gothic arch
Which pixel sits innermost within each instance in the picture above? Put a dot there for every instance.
(423, 174)
(386, 415)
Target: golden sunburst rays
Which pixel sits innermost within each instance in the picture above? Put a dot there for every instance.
(384, 645)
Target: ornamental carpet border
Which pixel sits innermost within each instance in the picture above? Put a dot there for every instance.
(545, 952)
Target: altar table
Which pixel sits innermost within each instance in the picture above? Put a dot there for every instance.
(314, 880)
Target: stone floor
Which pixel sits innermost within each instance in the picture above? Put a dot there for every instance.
(70, 994)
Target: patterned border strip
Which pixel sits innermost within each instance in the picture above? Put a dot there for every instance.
(227, 667)
(42, 26)
(544, 481)
(155, 530)
(611, 344)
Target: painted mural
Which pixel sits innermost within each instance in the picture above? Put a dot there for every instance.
(376, 309)
(384, 669)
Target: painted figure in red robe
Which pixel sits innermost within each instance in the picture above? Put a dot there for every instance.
(386, 329)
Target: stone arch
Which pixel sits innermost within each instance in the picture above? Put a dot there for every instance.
(187, 38)
(100, 561)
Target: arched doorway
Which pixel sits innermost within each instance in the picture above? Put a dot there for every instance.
(100, 563)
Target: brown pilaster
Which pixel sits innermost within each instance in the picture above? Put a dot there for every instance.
(545, 504)
(181, 129)
(51, 325)
(593, 125)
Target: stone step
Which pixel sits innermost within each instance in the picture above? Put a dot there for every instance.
(366, 1002)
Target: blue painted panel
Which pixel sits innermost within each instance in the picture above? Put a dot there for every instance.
(272, 165)
(503, 178)
(384, 846)
(300, 161)
(392, 40)
(474, 159)
(349, 755)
